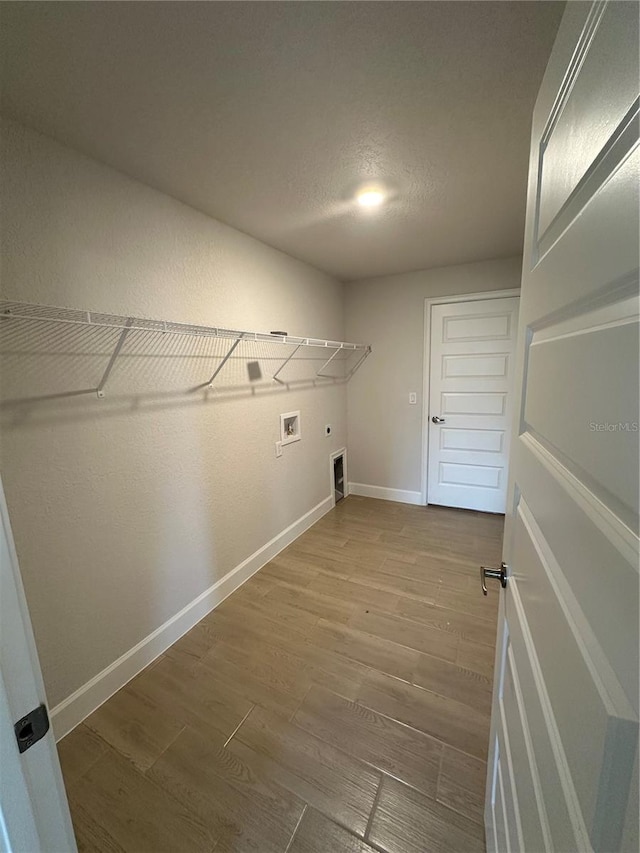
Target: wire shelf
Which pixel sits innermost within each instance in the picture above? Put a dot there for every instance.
(117, 334)
(50, 314)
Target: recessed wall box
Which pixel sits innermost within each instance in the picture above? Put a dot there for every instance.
(290, 427)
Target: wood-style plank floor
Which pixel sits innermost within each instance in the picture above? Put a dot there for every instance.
(338, 701)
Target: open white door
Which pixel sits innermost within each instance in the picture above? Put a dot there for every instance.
(563, 755)
(34, 815)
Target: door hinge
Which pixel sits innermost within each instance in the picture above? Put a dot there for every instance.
(31, 727)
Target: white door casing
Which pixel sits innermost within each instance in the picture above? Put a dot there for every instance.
(34, 815)
(471, 368)
(563, 761)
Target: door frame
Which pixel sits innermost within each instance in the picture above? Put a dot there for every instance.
(429, 302)
(34, 812)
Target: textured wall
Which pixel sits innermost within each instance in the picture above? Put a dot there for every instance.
(385, 432)
(124, 510)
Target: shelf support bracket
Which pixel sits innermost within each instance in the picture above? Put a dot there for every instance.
(326, 364)
(284, 364)
(358, 363)
(224, 360)
(114, 356)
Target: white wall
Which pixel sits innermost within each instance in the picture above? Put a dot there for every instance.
(125, 510)
(385, 432)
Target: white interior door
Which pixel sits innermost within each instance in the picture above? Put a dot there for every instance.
(34, 815)
(472, 347)
(563, 771)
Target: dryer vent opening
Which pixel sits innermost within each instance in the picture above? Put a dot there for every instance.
(338, 478)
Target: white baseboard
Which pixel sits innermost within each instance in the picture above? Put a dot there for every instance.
(383, 493)
(76, 707)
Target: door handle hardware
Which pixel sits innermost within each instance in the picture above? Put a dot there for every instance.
(499, 574)
(436, 420)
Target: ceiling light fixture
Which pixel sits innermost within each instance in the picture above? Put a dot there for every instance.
(370, 197)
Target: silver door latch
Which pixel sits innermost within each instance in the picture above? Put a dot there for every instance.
(499, 574)
(437, 420)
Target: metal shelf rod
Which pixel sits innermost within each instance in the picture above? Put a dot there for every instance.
(284, 364)
(224, 361)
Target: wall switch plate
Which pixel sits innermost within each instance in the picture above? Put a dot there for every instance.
(413, 398)
(327, 429)
(278, 449)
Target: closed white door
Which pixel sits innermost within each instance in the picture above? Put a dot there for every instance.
(563, 772)
(34, 815)
(470, 402)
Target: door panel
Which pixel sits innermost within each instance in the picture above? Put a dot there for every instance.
(474, 365)
(472, 347)
(579, 355)
(527, 783)
(473, 440)
(566, 700)
(598, 75)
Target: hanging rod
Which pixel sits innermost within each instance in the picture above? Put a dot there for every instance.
(126, 325)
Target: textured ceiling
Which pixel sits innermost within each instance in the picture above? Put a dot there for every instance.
(267, 116)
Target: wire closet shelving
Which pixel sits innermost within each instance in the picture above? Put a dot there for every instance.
(122, 327)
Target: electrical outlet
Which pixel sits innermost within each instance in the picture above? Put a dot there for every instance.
(327, 429)
(413, 398)
(278, 449)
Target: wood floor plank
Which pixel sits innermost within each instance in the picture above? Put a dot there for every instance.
(79, 751)
(272, 665)
(406, 821)
(469, 601)
(310, 550)
(358, 522)
(299, 574)
(130, 722)
(191, 697)
(339, 786)
(263, 625)
(461, 784)
(91, 837)
(193, 645)
(428, 570)
(455, 682)
(395, 584)
(270, 607)
(421, 638)
(316, 535)
(352, 530)
(477, 657)
(471, 628)
(376, 652)
(316, 603)
(317, 834)
(222, 675)
(115, 806)
(326, 669)
(373, 554)
(452, 722)
(353, 593)
(253, 589)
(329, 564)
(380, 741)
(241, 809)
